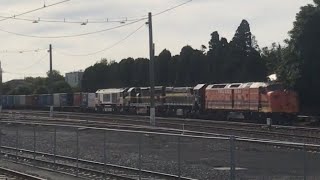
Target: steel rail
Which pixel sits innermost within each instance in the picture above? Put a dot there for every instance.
(19, 175)
(66, 158)
(222, 137)
(201, 121)
(198, 127)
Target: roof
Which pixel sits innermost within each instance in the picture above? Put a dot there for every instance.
(178, 89)
(131, 89)
(238, 85)
(199, 86)
(109, 91)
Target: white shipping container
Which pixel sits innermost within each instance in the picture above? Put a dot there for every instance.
(91, 100)
(56, 100)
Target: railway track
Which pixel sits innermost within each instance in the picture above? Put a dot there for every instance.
(79, 167)
(96, 170)
(172, 125)
(8, 174)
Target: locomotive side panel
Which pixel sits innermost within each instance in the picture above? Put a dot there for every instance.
(219, 99)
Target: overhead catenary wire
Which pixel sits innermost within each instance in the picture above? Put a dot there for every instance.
(105, 20)
(95, 32)
(66, 21)
(107, 48)
(33, 10)
(172, 8)
(74, 35)
(22, 51)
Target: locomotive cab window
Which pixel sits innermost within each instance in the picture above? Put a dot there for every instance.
(106, 97)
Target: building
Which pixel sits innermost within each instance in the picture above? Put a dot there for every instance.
(74, 78)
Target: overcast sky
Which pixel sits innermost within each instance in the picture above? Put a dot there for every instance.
(190, 24)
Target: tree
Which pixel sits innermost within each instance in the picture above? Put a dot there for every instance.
(162, 67)
(41, 90)
(301, 67)
(21, 90)
(141, 72)
(242, 39)
(272, 57)
(126, 72)
(95, 76)
(56, 76)
(217, 59)
(246, 63)
(61, 87)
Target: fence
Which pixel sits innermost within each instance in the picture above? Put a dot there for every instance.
(188, 157)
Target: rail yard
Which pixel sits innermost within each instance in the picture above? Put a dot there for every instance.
(209, 101)
(75, 143)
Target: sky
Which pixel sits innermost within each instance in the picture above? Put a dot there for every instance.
(190, 24)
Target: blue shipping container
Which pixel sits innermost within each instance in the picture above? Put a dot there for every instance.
(4, 100)
(10, 101)
(45, 100)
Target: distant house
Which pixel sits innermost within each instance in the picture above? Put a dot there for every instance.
(74, 78)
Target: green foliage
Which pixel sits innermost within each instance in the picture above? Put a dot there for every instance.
(303, 55)
(61, 87)
(41, 90)
(38, 85)
(56, 76)
(21, 90)
(272, 57)
(236, 61)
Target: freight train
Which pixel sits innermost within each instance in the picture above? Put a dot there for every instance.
(253, 101)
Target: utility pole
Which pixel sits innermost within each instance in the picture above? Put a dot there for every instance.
(151, 71)
(50, 73)
(50, 80)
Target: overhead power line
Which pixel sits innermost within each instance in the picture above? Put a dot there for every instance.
(107, 48)
(33, 10)
(75, 35)
(95, 32)
(172, 8)
(22, 51)
(69, 21)
(89, 21)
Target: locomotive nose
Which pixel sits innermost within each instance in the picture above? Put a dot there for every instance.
(283, 101)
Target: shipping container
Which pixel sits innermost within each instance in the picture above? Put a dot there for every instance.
(84, 100)
(4, 101)
(56, 100)
(88, 100)
(16, 101)
(22, 101)
(63, 99)
(35, 101)
(45, 100)
(10, 101)
(66, 99)
(77, 99)
(29, 99)
(92, 101)
(70, 99)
